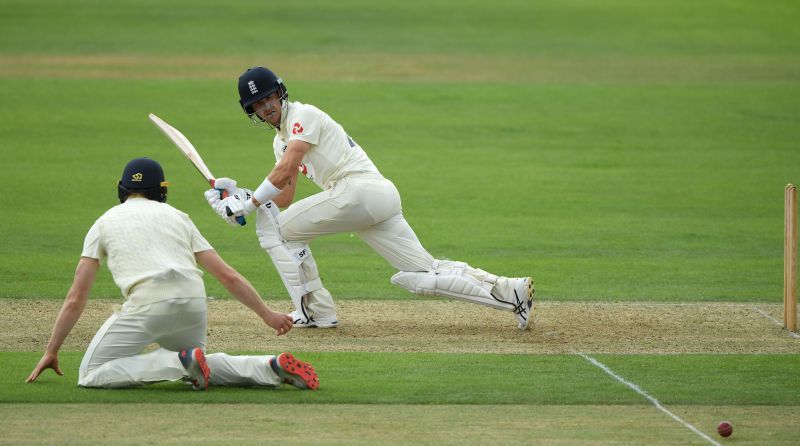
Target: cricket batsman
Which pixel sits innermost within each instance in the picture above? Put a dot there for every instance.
(152, 251)
(355, 197)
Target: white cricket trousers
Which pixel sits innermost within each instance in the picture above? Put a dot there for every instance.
(367, 204)
(114, 357)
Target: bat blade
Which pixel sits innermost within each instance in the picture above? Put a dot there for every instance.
(187, 149)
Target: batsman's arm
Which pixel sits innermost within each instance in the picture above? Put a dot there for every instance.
(71, 311)
(282, 175)
(286, 197)
(242, 290)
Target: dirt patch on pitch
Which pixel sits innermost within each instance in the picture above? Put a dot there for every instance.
(450, 327)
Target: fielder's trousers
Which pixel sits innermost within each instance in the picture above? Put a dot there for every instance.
(115, 359)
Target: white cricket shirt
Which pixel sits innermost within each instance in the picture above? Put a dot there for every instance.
(149, 248)
(333, 154)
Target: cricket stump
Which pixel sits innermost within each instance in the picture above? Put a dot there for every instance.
(790, 259)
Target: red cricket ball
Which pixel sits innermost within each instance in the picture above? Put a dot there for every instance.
(725, 428)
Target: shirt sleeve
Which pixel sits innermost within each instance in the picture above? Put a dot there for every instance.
(305, 126)
(199, 243)
(92, 247)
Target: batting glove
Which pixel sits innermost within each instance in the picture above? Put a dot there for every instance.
(226, 184)
(234, 206)
(229, 203)
(229, 186)
(212, 197)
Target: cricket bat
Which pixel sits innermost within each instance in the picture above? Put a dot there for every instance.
(188, 150)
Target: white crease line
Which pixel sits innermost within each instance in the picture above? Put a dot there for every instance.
(655, 402)
(759, 311)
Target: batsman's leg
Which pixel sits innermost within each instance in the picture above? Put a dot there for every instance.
(395, 241)
(297, 269)
(421, 274)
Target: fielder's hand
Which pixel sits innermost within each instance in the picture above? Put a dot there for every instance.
(48, 361)
(281, 322)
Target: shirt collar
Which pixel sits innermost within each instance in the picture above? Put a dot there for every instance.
(283, 132)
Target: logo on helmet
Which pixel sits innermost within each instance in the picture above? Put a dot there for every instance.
(137, 177)
(297, 128)
(252, 86)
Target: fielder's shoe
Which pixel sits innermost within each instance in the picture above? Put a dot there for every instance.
(523, 302)
(294, 371)
(194, 361)
(300, 321)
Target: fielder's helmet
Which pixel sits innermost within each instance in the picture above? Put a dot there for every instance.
(257, 83)
(143, 176)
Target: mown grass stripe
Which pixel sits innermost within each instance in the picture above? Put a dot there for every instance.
(649, 397)
(433, 378)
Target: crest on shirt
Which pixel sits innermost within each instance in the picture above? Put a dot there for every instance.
(306, 170)
(297, 128)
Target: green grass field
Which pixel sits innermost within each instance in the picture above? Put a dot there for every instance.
(426, 378)
(617, 151)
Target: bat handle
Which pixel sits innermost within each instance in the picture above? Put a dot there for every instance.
(224, 194)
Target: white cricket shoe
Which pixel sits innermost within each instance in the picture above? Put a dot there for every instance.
(523, 302)
(301, 321)
(194, 361)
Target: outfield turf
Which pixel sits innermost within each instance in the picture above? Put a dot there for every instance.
(428, 378)
(662, 183)
(613, 202)
(384, 424)
(370, 398)
(618, 151)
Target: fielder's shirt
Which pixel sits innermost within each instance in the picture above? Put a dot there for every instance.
(333, 154)
(149, 248)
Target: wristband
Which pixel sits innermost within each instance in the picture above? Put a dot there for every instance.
(266, 191)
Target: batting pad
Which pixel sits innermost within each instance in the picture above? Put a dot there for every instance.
(295, 266)
(451, 283)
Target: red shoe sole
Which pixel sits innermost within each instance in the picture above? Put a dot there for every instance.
(201, 361)
(299, 369)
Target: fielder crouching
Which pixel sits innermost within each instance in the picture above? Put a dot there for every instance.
(152, 251)
(355, 198)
